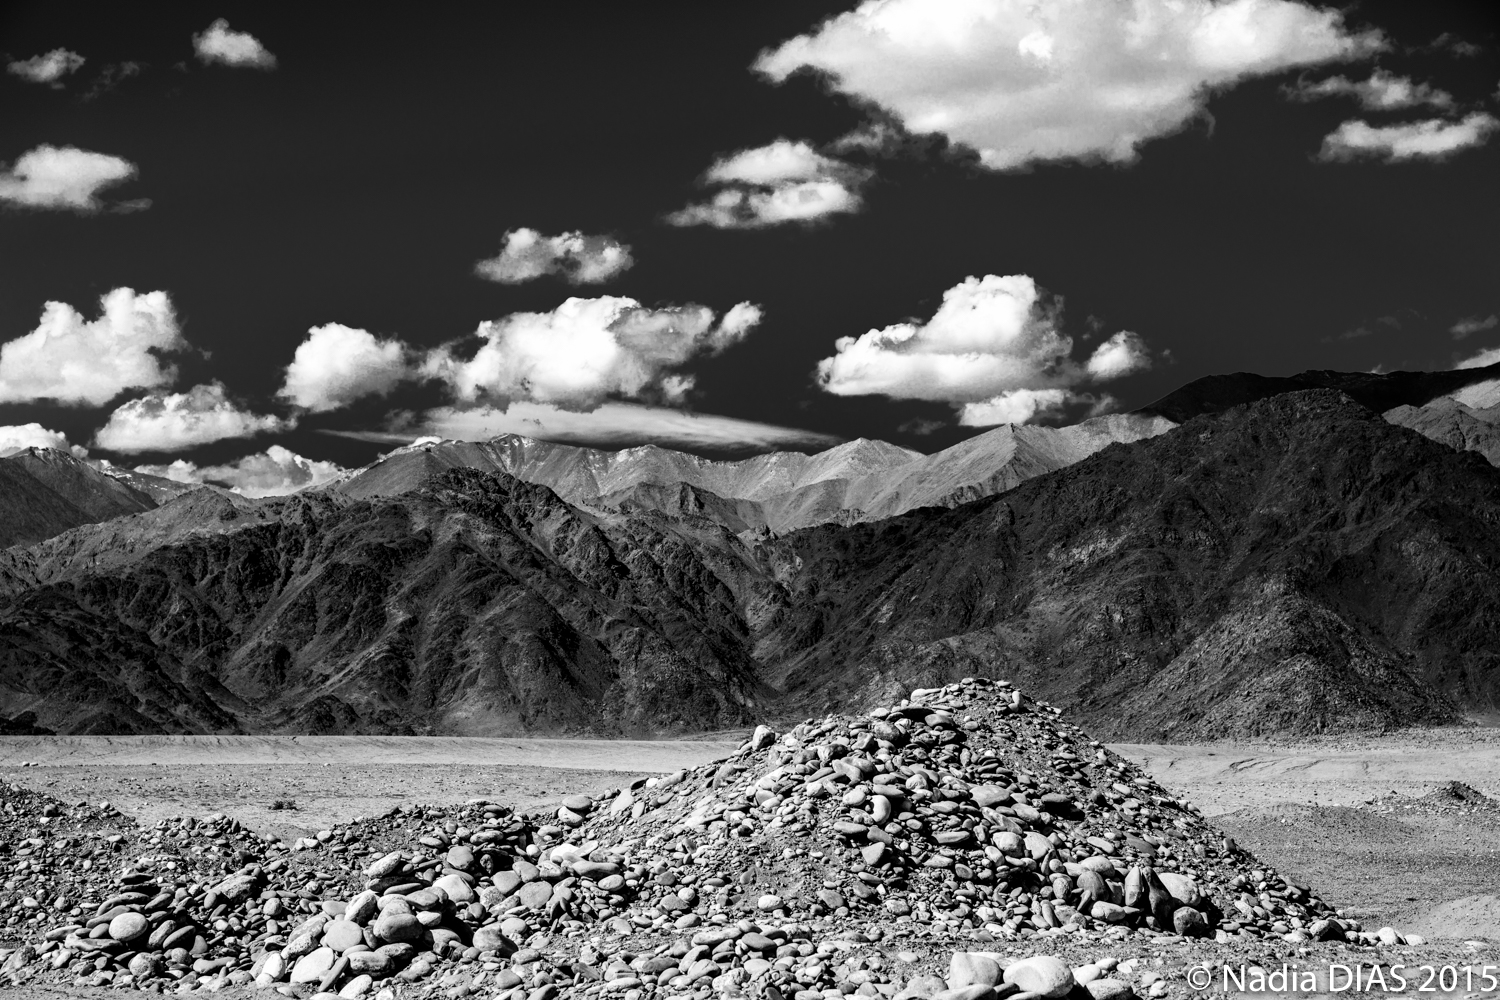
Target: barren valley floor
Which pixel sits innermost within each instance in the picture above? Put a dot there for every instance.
(1365, 821)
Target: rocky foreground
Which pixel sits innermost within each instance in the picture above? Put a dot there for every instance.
(966, 843)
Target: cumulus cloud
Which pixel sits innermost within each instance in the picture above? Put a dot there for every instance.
(1473, 324)
(338, 364)
(1022, 82)
(50, 67)
(19, 437)
(1381, 92)
(587, 350)
(618, 425)
(62, 177)
(221, 44)
(993, 348)
(71, 359)
(180, 420)
(1433, 139)
(774, 184)
(274, 472)
(582, 260)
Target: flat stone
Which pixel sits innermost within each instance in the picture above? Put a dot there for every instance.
(969, 968)
(535, 894)
(1043, 975)
(456, 888)
(506, 882)
(395, 927)
(460, 857)
(312, 967)
(873, 853)
(373, 963)
(129, 927)
(341, 935)
(362, 906)
(1109, 989)
(1182, 889)
(580, 804)
(1037, 845)
(490, 938)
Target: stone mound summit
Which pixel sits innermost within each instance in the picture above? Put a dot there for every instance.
(850, 854)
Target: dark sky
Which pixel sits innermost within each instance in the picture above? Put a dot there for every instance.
(389, 149)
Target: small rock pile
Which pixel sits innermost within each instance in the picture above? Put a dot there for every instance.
(809, 865)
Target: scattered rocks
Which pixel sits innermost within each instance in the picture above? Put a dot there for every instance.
(967, 812)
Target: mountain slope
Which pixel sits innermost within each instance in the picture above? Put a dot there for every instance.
(29, 510)
(98, 495)
(1379, 392)
(1293, 565)
(477, 605)
(1450, 422)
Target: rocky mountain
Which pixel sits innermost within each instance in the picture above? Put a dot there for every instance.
(1379, 392)
(1295, 565)
(98, 495)
(29, 511)
(1447, 420)
(476, 605)
(862, 480)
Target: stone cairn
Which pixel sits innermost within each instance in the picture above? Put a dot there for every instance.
(834, 859)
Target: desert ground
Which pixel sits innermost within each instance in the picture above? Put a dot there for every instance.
(1375, 824)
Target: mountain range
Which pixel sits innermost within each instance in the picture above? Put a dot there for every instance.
(1297, 562)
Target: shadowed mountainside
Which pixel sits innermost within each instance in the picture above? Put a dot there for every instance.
(1379, 392)
(1297, 565)
(1450, 422)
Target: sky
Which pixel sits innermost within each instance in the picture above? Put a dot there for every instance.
(256, 245)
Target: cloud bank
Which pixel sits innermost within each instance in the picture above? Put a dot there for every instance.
(62, 177)
(1433, 139)
(782, 182)
(221, 44)
(581, 260)
(993, 349)
(181, 420)
(50, 67)
(74, 360)
(619, 425)
(1474, 324)
(274, 472)
(338, 364)
(1022, 82)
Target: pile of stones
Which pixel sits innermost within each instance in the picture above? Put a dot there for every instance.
(846, 856)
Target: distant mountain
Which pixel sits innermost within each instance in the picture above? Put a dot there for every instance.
(98, 495)
(1458, 426)
(158, 488)
(1295, 565)
(860, 481)
(1379, 392)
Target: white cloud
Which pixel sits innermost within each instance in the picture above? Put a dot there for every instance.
(993, 347)
(220, 44)
(582, 260)
(1381, 92)
(19, 437)
(1432, 139)
(274, 472)
(1473, 324)
(587, 350)
(1125, 353)
(180, 420)
(88, 362)
(62, 177)
(610, 425)
(50, 67)
(1483, 359)
(1021, 81)
(337, 364)
(777, 183)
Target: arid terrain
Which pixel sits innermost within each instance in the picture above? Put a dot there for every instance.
(1363, 818)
